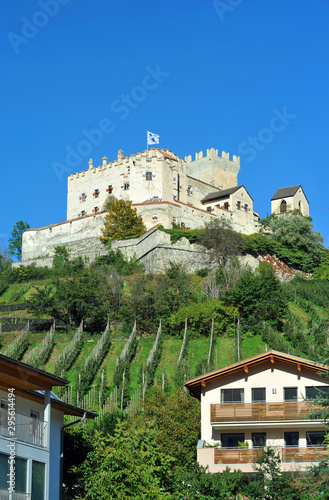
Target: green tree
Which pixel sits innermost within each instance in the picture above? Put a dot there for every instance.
(4, 259)
(295, 232)
(131, 464)
(15, 241)
(108, 203)
(219, 238)
(258, 296)
(122, 222)
(87, 295)
(269, 482)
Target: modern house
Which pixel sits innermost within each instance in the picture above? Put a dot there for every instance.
(258, 402)
(31, 426)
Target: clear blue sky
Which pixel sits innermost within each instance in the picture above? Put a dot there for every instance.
(245, 76)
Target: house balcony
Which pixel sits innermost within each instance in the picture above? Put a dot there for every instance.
(5, 495)
(25, 429)
(244, 459)
(287, 455)
(259, 412)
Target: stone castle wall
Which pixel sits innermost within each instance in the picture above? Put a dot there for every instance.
(157, 175)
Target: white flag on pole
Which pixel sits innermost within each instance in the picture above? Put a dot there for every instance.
(152, 138)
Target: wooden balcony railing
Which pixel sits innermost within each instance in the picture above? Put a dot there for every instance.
(258, 412)
(237, 455)
(246, 456)
(294, 455)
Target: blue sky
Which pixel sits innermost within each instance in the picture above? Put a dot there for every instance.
(84, 78)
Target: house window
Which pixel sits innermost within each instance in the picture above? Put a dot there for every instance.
(231, 440)
(83, 197)
(83, 213)
(313, 392)
(283, 207)
(97, 193)
(291, 439)
(4, 413)
(189, 191)
(155, 198)
(208, 209)
(38, 480)
(315, 438)
(232, 396)
(246, 207)
(35, 428)
(258, 394)
(96, 209)
(238, 205)
(126, 186)
(226, 205)
(110, 189)
(148, 176)
(258, 439)
(290, 393)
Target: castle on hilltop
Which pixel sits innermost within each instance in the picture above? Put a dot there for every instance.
(164, 189)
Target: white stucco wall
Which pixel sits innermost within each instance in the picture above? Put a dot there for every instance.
(273, 377)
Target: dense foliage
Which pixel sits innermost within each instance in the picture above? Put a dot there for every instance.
(122, 222)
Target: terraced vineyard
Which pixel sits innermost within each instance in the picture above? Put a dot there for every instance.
(96, 395)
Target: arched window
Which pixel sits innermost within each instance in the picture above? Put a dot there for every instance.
(300, 207)
(283, 207)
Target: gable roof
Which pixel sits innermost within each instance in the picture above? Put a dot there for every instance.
(31, 382)
(195, 384)
(287, 192)
(224, 193)
(20, 375)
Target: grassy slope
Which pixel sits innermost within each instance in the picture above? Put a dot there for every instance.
(224, 351)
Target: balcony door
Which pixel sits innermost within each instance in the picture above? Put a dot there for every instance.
(258, 394)
(232, 396)
(290, 394)
(231, 440)
(258, 439)
(291, 439)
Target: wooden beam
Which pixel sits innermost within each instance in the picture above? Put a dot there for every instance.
(299, 367)
(272, 359)
(245, 368)
(203, 383)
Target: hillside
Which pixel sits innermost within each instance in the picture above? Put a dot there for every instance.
(204, 320)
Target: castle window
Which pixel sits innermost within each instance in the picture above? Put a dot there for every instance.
(83, 197)
(189, 191)
(238, 205)
(97, 193)
(148, 176)
(226, 205)
(126, 186)
(283, 207)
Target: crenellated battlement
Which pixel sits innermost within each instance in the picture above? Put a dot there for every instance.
(128, 161)
(212, 153)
